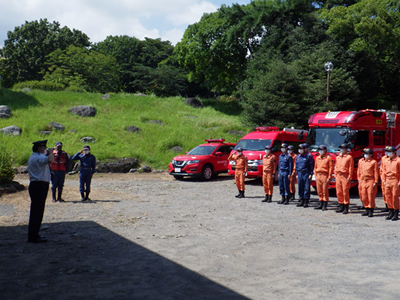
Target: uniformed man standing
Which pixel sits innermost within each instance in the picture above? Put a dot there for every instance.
(323, 173)
(304, 169)
(343, 171)
(88, 166)
(391, 181)
(59, 167)
(269, 169)
(285, 167)
(368, 177)
(240, 170)
(292, 181)
(385, 157)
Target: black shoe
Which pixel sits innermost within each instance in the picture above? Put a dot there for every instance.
(319, 205)
(282, 200)
(59, 197)
(53, 192)
(238, 195)
(366, 213)
(395, 215)
(386, 209)
(301, 203)
(286, 202)
(293, 196)
(346, 209)
(241, 194)
(60, 200)
(325, 205)
(306, 203)
(371, 212)
(38, 240)
(83, 197)
(391, 213)
(266, 198)
(340, 208)
(269, 198)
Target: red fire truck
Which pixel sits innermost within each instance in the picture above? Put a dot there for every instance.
(359, 129)
(253, 145)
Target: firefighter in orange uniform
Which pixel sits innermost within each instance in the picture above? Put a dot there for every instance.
(323, 173)
(390, 182)
(368, 177)
(385, 157)
(292, 182)
(59, 167)
(269, 169)
(343, 171)
(240, 170)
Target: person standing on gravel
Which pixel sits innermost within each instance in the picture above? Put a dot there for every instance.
(59, 167)
(88, 166)
(323, 172)
(343, 171)
(292, 181)
(368, 177)
(39, 177)
(385, 157)
(285, 167)
(269, 169)
(304, 169)
(240, 170)
(391, 182)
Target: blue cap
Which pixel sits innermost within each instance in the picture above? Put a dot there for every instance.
(58, 144)
(268, 147)
(368, 150)
(290, 147)
(322, 147)
(239, 149)
(284, 145)
(344, 146)
(390, 148)
(40, 143)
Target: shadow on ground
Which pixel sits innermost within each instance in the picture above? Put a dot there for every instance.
(84, 260)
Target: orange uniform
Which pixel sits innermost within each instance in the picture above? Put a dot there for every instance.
(368, 177)
(269, 169)
(380, 171)
(292, 183)
(343, 172)
(323, 172)
(240, 169)
(390, 180)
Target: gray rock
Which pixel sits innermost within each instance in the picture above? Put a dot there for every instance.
(88, 139)
(5, 112)
(83, 111)
(73, 130)
(133, 170)
(193, 102)
(23, 170)
(133, 129)
(145, 169)
(123, 165)
(176, 149)
(156, 122)
(105, 97)
(235, 132)
(45, 132)
(140, 94)
(56, 126)
(11, 130)
(76, 168)
(158, 171)
(26, 90)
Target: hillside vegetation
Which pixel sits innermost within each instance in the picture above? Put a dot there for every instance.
(183, 125)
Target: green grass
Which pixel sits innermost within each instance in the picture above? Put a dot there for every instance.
(34, 111)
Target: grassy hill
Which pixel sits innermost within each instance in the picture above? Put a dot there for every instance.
(183, 125)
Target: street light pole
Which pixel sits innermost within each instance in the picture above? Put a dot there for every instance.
(328, 68)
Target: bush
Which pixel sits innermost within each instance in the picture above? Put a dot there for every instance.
(39, 85)
(6, 170)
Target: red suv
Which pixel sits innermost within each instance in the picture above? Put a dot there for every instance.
(204, 161)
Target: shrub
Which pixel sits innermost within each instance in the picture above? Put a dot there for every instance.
(6, 170)
(39, 85)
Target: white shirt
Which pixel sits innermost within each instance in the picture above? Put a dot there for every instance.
(38, 167)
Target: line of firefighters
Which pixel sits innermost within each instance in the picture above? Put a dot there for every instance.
(303, 166)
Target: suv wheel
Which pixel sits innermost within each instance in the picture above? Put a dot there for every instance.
(207, 172)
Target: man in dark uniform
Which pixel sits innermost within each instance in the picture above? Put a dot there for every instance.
(304, 168)
(88, 166)
(285, 169)
(39, 177)
(59, 167)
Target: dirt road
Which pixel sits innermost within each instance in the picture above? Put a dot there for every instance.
(148, 236)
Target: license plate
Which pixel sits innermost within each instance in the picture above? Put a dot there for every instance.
(177, 169)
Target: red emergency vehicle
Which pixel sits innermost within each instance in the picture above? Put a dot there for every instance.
(253, 145)
(367, 128)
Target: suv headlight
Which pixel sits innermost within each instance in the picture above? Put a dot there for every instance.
(193, 161)
(173, 162)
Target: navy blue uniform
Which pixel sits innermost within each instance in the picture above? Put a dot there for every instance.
(88, 166)
(285, 168)
(304, 168)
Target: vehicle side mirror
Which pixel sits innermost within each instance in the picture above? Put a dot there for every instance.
(300, 136)
(274, 150)
(187, 152)
(218, 153)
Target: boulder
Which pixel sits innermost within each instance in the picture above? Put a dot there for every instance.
(123, 165)
(22, 170)
(236, 132)
(11, 130)
(133, 170)
(83, 111)
(156, 122)
(145, 169)
(133, 129)
(176, 149)
(26, 90)
(45, 132)
(88, 139)
(56, 126)
(193, 102)
(73, 130)
(105, 97)
(140, 94)
(5, 112)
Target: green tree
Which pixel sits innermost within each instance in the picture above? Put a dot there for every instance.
(26, 48)
(7, 173)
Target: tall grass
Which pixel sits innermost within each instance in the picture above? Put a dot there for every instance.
(184, 126)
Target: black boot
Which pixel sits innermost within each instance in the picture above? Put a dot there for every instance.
(325, 205)
(59, 196)
(283, 200)
(340, 208)
(238, 195)
(269, 198)
(306, 202)
(301, 203)
(320, 204)
(366, 213)
(395, 215)
(371, 212)
(53, 191)
(293, 196)
(346, 209)
(391, 213)
(266, 198)
(87, 196)
(286, 200)
(386, 209)
(241, 194)
(83, 197)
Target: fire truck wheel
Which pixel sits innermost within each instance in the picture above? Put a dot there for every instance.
(207, 172)
(178, 177)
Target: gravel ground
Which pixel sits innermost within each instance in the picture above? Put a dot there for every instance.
(148, 236)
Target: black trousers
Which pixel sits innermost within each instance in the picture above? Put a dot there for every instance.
(38, 192)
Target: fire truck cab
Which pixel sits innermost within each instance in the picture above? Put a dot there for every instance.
(359, 129)
(253, 145)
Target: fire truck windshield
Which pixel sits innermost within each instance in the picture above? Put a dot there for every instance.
(202, 150)
(253, 144)
(330, 137)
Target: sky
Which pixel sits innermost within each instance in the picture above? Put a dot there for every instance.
(165, 19)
